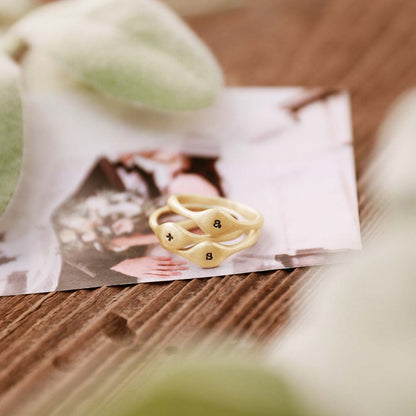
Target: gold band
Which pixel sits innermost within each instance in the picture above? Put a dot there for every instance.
(203, 250)
(208, 254)
(218, 217)
(215, 221)
(175, 235)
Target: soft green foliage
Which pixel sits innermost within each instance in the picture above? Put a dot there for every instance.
(133, 50)
(11, 130)
(209, 389)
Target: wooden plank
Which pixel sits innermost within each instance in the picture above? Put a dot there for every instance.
(54, 347)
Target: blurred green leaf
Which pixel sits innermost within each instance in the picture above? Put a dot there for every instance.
(134, 50)
(11, 130)
(209, 388)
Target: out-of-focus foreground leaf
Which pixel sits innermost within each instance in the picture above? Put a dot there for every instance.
(134, 50)
(395, 175)
(11, 130)
(353, 350)
(210, 388)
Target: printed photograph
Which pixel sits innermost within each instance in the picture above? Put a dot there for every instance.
(286, 152)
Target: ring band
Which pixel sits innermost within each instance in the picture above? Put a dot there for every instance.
(214, 221)
(217, 217)
(204, 250)
(209, 254)
(175, 235)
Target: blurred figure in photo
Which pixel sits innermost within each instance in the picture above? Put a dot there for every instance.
(103, 228)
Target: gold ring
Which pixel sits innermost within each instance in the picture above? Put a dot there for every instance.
(175, 235)
(215, 221)
(208, 254)
(217, 217)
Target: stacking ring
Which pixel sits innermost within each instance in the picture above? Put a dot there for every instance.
(208, 254)
(175, 235)
(214, 221)
(219, 218)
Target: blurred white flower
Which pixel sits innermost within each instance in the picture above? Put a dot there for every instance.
(77, 223)
(95, 202)
(123, 226)
(99, 218)
(89, 237)
(67, 236)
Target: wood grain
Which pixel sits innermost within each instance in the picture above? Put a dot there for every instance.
(54, 347)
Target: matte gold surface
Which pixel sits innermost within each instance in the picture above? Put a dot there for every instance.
(176, 235)
(216, 221)
(205, 250)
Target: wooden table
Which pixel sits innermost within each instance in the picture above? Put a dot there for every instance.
(53, 346)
